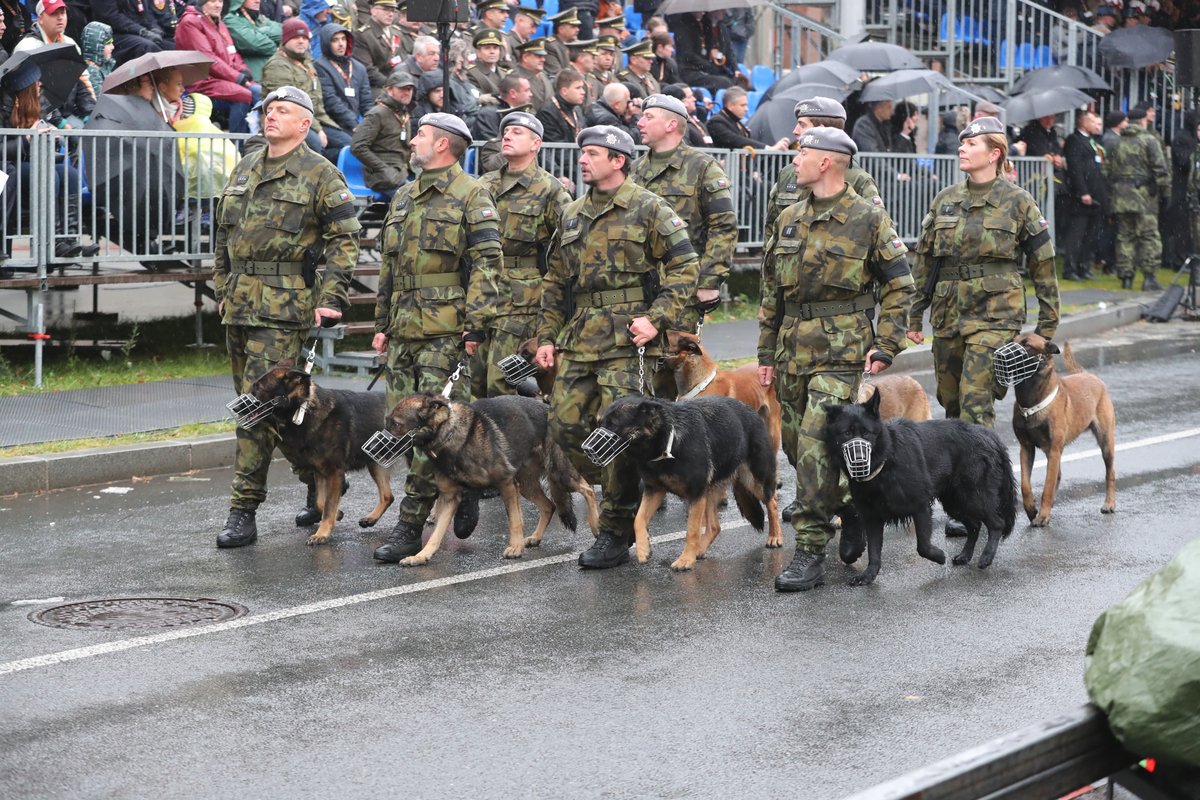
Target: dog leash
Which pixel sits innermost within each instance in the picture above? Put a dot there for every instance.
(454, 376)
(309, 359)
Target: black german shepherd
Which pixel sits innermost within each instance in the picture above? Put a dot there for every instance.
(328, 439)
(497, 442)
(912, 464)
(695, 449)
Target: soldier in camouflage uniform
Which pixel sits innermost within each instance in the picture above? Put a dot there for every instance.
(831, 252)
(1136, 170)
(285, 210)
(698, 190)
(623, 261)
(530, 202)
(437, 288)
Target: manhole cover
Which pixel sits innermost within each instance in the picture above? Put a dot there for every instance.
(137, 613)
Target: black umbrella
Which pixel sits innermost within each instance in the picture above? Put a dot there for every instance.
(824, 73)
(1043, 103)
(686, 6)
(61, 67)
(876, 57)
(989, 93)
(776, 118)
(1067, 75)
(1139, 46)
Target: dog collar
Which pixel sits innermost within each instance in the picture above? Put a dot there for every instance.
(697, 389)
(670, 441)
(1042, 406)
(874, 474)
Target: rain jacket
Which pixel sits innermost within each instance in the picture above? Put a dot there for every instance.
(256, 36)
(198, 32)
(92, 41)
(345, 88)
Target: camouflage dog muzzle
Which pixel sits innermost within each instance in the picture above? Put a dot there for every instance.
(856, 453)
(248, 410)
(1013, 364)
(602, 446)
(386, 448)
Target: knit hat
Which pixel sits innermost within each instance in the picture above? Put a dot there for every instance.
(293, 27)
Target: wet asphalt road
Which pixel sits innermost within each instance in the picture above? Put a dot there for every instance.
(478, 677)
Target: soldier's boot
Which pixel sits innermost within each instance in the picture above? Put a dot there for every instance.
(1127, 282)
(853, 538)
(609, 550)
(788, 510)
(240, 529)
(955, 529)
(1150, 283)
(309, 515)
(466, 516)
(807, 571)
(404, 541)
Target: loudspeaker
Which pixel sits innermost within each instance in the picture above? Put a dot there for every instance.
(437, 11)
(1187, 57)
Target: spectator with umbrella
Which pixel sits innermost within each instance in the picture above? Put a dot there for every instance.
(50, 28)
(1042, 140)
(947, 142)
(727, 129)
(873, 130)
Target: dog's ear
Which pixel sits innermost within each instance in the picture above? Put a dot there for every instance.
(832, 411)
(434, 404)
(1052, 349)
(872, 404)
(689, 345)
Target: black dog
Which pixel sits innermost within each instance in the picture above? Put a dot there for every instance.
(909, 465)
(695, 449)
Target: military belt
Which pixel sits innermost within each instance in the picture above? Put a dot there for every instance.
(965, 272)
(520, 262)
(266, 268)
(829, 308)
(407, 283)
(610, 297)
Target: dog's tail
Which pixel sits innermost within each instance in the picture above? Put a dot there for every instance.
(1008, 492)
(748, 504)
(1069, 359)
(562, 478)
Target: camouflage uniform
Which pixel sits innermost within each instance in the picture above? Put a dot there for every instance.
(530, 204)
(277, 219)
(1137, 174)
(787, 192)
(978, 303)
(608, 252)
(441, 254)
(819, 274)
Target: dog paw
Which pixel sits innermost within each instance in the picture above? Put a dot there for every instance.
(863, 579)
(985, 561)
(532, 542)
(935, 554)
(367, 522)
(514, 552)
(643, 554)
(1040, 521)
(961, 560)
(317, 539)
(1108, 509)
(1031, 512)
(679, 565)
(414, 561)
(774, 541)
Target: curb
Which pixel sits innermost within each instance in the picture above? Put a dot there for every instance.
(26, 474)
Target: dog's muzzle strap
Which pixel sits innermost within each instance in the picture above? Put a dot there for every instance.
(516, 368)
(386, 449)
(602, 446)
(1013, 364)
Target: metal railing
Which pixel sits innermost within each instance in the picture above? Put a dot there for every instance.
(800, 40)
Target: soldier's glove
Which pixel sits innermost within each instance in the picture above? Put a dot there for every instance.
(474, 336)
(705, 306)
(882, 358)
(151, 34)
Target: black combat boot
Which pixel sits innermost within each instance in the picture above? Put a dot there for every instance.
(1127, 282)
(466, 516)
(609, 550)
(955, 529)
(240, 529)
(309, 515)
(853, 538)
(788, 510)
(1150, 283)
(404, 541)
(807, 571)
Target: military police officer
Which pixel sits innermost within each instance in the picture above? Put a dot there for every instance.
(284, 211)
(437, 286)
(830, 252)
(624, 262)
(1137, 174)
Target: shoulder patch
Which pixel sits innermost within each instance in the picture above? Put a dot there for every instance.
(482, 215)
(789, 231)
(243, 179)
(571, 224)
(947, 208)
(894, 249)
(877, 200)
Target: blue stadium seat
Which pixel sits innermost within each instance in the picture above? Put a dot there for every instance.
(1044, 57)
(633, 20)
(550, 7)
(352, 168)
(701, 93)
(752, 99)
(545, 30)
(1022, 55)
(718, 97)
(762, 77)
(468, 163)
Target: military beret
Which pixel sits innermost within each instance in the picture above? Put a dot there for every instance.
(401, 77)
(982, 126)
(447, 122)
(487, 36)
(529, 11)
(1136, 113)
(820, 107)
(523, 119)
(289, 93)
(535, 46)
(644, 48)
(607, 136)
(617, 21)
(666, 103)
(607, 41)
(831, 139)
(568, 17)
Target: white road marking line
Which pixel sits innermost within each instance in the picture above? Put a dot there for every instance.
(1120, 447)
(64, 656)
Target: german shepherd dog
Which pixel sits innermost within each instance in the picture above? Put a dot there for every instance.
(903, 397)
(692, 366)
(329, 439)
(496, 442)
(695, 450)
(1077, 402)
(899, 467)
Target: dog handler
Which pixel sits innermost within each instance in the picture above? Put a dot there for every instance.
(284, 211)
(625, 265)
(437, 289)
(830, 251)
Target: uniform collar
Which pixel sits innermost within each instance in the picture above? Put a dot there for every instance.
(277, 168)
(443, 180)
(620, 198)
(523, 178)
(840, 212)
(675, 161)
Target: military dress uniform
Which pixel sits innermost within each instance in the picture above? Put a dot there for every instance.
(278, 219)
(967, 266)
(820, 272)
(647, 82)
(530, 205)
(558, 56)
(611, 254)
(1138, 179)
(441, 253)
(542, 88)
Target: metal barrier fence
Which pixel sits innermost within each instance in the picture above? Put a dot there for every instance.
(799, 39)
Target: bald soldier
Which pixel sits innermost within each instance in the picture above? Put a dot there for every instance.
(831, 253)
(623, 261)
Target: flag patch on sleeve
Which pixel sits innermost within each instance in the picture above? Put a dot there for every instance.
(1042, 222)
(677, 222)
(343, 196)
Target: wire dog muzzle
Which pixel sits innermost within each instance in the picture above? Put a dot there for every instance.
(1013, 364)
(602, 446)
(516, 369)
(386, 449)
(248, 410)
(856, 453)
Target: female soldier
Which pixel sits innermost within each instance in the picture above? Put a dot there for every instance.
(967, 274)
